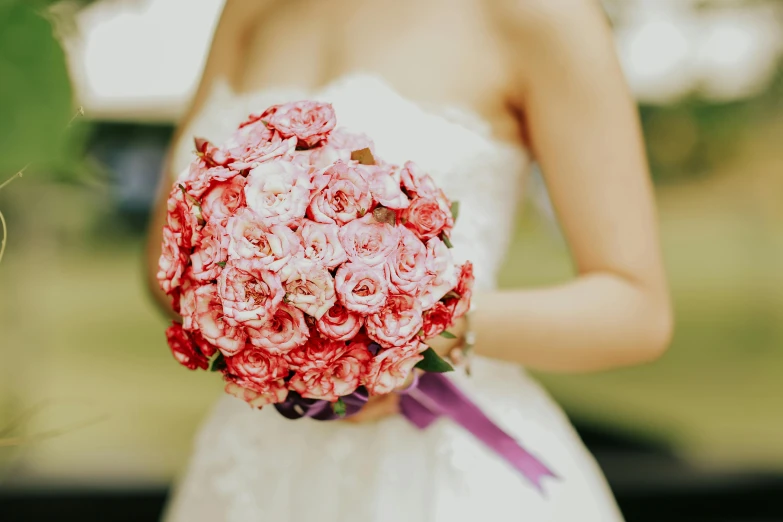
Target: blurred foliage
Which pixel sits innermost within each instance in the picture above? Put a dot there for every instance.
(690, 138)
(36, 98)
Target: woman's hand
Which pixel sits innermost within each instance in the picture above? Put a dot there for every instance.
(444, 345)
(378, 408)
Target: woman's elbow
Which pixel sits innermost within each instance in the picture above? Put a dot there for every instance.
(659, 331)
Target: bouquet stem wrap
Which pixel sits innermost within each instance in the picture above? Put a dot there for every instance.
(435, 396)
(430, 397)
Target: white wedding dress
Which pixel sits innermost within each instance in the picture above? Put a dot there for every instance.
(251, 465)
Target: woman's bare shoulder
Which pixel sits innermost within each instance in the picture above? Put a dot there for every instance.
(550, 20)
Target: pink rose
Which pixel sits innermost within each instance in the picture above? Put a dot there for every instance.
(338, 147)
(254, 245)
(310, 122)
(385, 188)
(440, 265)
(260, 372)
(417, 182)
(223, 199)
(407, 268)
(464, 289)
(361, 288)
(182, 217)
(171, 264)
(342, 194)
(284, 331)
(187, 304)
(427, 218)
(212, 249)
(321, 243)
(396, 323)
(210, 155)
(252, 153)
(275, 392)
(199, 180)
(339, 324)
(437, 319)
(278, 191)
(250, 295)
(391, 367)
(327, 369)
(184, 349)
(207, 318)
(368, 241)
(309, 287)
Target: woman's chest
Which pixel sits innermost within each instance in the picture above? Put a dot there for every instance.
(442, 52)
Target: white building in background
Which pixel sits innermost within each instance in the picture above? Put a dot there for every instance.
(141, 59)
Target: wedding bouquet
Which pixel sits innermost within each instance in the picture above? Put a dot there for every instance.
(306, 269)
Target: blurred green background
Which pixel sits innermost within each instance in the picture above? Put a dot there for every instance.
(82, 343)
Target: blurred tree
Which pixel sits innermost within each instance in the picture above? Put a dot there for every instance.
(36, 99)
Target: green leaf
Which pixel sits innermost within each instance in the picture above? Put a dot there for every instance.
(433, 362)
(218, 363)
(447, 334)
(339, 407)
(454, 210)
(446, 241)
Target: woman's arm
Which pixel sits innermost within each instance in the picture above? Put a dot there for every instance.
(224, 61)
(586, 136)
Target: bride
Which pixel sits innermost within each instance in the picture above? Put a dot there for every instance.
(466, 88)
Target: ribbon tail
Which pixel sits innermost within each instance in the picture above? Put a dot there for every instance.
(436, 396)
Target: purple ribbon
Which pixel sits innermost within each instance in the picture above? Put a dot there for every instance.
(435, 396)
(429, 397)
(295, 406)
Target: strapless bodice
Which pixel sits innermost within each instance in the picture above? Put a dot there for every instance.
(454, 145)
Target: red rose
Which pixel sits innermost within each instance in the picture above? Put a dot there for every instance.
(273, 393)
(250, 296)
(339, 324)
(465, 289)
(327, 369)
(310, 122)
(184, 349)
(417, 182)
(255, 244)
(207, 318)
(437, 319)
(361, 288)
(396, 323)
(342, 195)
(284, 331)
(391, 367)
(212, 249)
(441, 265)
(209, 155)
(369, 242)
(255, 369)
(384, 181)
(223, 199)
(407, 267)
(427, 218)
(171, 263)
(182, 217)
